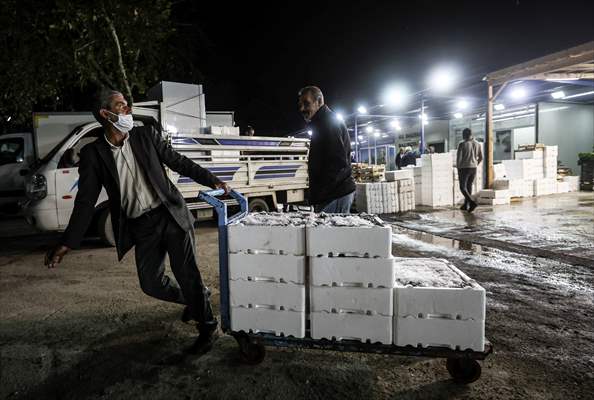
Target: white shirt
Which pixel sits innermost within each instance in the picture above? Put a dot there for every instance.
(137, 195)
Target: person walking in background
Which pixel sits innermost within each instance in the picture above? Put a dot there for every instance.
(468, 158)
(399, 158)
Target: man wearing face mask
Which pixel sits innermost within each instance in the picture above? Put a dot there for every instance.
(147, 211)
(331, 183)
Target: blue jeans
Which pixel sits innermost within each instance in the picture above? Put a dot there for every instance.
(342, 205)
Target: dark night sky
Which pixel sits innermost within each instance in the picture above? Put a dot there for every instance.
(260, 55)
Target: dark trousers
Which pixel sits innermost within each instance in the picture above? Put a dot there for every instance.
(155, 235)
(466, 178)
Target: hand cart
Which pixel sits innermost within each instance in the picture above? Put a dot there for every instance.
(462, 365)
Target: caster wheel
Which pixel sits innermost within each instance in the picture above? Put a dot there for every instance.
(250, 353)
(463, 370)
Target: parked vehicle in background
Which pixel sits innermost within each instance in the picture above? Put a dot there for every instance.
(267, 170)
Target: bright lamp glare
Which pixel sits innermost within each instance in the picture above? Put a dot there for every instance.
(558, 94)
(458, 115)
(369, 129)
(172, 129)
(339, 117)
(499, 107)
(309, 133)
(518, 93)
(398, 128)
(462, 104)
(360, 137)
(423, 117)
(362, 110)
(352, 143)
(394, 123)
(376, 134)
(395, 96)
(442, 79)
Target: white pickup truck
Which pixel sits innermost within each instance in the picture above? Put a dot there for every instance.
(267, 170)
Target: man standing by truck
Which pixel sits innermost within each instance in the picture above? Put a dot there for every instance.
(331, 183)
(468, 158)
(147, 211)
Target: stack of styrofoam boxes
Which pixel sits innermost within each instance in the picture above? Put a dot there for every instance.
(493, 197)
(437, 179)
(573, 182)
(523, 169)
(267, 274)
(499, 171)
(562, 187)
(545, 186)
(390, 197)
(550, 161)
(351, 264)
(418, 178)
(369, 198)
(436, 304)
(406, 194)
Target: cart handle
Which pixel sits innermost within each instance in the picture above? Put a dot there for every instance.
(221, 207)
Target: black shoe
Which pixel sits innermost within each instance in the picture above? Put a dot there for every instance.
(473, 205)
(186, 316)
(464, 207)
(203, 343)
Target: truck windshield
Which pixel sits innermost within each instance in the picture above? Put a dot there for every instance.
(10, 150)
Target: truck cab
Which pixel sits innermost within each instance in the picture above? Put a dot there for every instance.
(16, 155)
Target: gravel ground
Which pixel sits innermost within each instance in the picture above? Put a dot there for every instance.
(86, 331)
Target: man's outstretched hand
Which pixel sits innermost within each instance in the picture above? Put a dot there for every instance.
(224, 186)
(54, 256)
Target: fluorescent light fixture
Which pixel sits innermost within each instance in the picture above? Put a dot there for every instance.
(384, 136)
(369, 129)
(424, 117)
(458, 115)
(309, 133)
(362, 110)
(462, 104)
(579, 95)
(360, 137)
(339, 117)
(395, 96)
(394, 123)
(558, 94)
(499, 107)
(376, 134)
(518, 93)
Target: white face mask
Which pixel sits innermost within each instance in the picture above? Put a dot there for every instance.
(124, 123)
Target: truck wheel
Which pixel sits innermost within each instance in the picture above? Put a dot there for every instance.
(105, 229)
(258, 205)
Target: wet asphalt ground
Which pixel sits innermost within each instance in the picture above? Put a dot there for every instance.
(86, 331)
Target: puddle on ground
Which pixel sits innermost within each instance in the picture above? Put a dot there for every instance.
(408, 242)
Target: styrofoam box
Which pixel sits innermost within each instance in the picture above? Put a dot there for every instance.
(499, 171)
(501, 184)
(374, 241)
(562, 187)
(352, 299)
(573, 181)
(264, 320)
(493, 202)
(273, 295)
(455, 334)
(277, 268)
(534, 154)
(274, 239)
(400, 174)
(523, 169)
(494, 194)
(345, 326)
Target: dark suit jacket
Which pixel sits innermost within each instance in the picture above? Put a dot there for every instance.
(329, 165)
(97, 168)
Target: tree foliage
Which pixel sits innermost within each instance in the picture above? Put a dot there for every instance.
(58, 49)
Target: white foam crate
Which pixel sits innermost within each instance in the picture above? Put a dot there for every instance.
(273, 295)
(494, 194)
(374, 241)
(532, 154)
(263, 320)
(343, 326)
(400, 174)
(573, 181)
(271, 267)
(338, 299)
(273, 239)
(493, 202)
(499, 171)
(345, 271)
(426, 332)
(562, 187)
(501, 184)
(429, 287)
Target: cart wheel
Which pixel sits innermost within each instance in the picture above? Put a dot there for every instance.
(463, 370)
(249, 352)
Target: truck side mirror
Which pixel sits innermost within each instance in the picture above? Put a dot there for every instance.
(19, 159)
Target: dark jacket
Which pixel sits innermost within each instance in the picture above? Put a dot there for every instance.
(409, 159)
(97, 169)
(329, 166)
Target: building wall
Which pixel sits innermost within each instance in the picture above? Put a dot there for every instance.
(570, 126)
